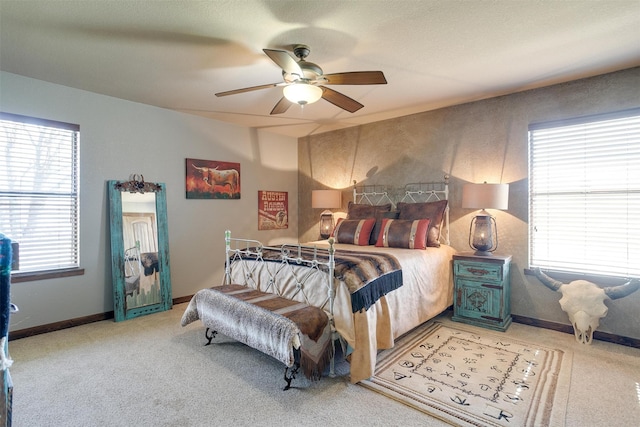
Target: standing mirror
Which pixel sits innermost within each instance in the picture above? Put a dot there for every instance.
(139, 248)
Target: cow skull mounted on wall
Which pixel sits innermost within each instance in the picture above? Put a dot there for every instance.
(584, 302)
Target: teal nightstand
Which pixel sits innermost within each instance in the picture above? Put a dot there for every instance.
(482, 290)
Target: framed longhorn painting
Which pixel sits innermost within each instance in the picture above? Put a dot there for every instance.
(212, 179)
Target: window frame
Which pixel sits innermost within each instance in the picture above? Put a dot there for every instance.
(63, 271)
(565, 271)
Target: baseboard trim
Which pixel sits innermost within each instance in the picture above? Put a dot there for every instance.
(560, 327)
(182, 300)
(65, 324)
(57, 326)
(568, 329)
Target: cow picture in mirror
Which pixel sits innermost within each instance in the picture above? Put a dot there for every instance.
(140, 235)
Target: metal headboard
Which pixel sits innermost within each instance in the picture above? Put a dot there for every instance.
(372, 195)
(419, 192)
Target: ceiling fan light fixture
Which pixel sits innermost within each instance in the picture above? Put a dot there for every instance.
(302, 93)
(304, 82)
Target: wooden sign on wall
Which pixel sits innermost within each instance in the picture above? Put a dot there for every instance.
(273, 210)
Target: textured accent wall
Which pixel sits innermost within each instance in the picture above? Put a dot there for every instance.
(475, 142)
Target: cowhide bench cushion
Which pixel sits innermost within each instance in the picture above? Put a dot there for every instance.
(267, 322)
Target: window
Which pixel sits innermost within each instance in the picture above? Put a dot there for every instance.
(39, 191)
(584, 190)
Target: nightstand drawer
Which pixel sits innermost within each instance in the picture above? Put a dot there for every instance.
(479, 284)
(477, 270)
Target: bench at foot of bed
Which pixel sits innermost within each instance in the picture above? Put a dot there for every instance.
(292, 332)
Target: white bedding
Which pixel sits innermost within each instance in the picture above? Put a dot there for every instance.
(427, 290)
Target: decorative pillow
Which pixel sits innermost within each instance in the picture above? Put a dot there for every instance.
(403, 233)
(431, 210)
(380, 216)
(363, 211)
(353, 231)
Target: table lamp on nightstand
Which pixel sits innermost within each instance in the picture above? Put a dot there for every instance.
(483, 233)
(326, 199)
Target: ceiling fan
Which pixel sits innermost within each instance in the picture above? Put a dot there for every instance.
(304, 82)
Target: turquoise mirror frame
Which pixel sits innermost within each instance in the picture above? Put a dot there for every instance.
(164, 300)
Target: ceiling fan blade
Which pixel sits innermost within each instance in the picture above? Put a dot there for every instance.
(356, 78)
(284, 61)
(340, 100)
(247, 89)
(282, 106)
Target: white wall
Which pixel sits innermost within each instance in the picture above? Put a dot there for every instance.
(118, 138)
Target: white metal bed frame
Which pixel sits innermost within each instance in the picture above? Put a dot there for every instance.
(244, 250)
(247, 251)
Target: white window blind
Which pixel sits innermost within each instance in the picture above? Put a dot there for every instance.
(584, 189)
(39, 191)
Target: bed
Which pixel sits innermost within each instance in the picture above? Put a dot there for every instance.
(410, 261)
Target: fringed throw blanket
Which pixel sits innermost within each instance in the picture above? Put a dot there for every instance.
(269, 323)
(368, 276)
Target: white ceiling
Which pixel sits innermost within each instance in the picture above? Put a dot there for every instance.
(177, 54)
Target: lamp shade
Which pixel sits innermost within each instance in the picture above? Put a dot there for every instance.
(485, 196)
(302, 93)
(326, 199)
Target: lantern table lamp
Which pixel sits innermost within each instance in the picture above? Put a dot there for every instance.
(326, 199)
(483, 233)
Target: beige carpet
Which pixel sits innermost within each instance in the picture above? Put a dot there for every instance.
(150, 371)
(470, 377)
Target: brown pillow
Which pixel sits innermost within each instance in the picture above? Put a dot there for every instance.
(431, 210)
(403, 233)
(353, 231)
(381, 216)
(363, 211)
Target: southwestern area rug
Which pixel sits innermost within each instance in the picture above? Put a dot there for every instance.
(470, 377)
